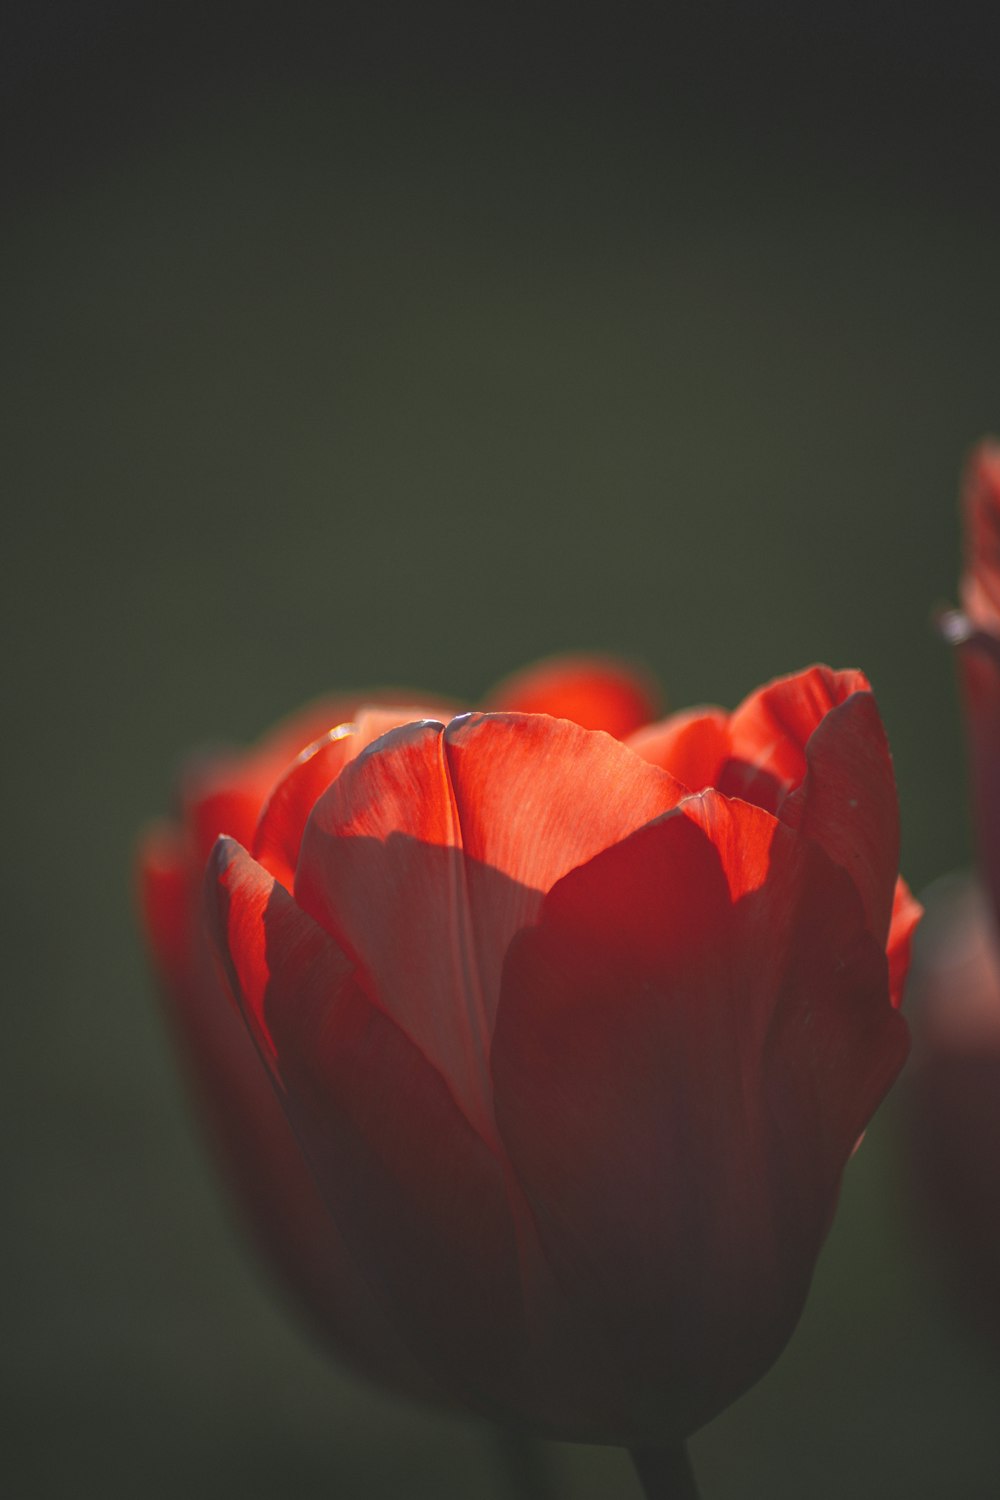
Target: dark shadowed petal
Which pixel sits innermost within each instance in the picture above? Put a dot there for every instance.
(771, 728)
(416, 1195)
(596, 692)
(272, 1187)
(687, 1047)
(847, 802)
(381, 869)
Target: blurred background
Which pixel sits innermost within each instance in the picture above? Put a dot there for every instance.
(381, 343)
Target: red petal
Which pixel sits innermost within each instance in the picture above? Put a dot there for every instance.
(693, 746)
(220, 792)
(261, 1161)
(770, 730)
(223, 791)
(278, 836)
(381, 870)
(906, 914)
(382, 866)
(812, 749)
(416, 1194)
(847, 803)
(596, 692)
(687, 1047)
(284, 742)
(286, 738)
(536, 797)
(285, 813)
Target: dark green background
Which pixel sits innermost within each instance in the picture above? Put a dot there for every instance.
(408, 352)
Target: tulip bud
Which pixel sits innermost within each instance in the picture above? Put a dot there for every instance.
(573, 1035)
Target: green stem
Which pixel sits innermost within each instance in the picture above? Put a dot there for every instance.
(665, 1473)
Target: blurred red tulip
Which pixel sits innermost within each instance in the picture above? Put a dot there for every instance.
(955, 1085)
(224, 792)
(975, 631)
(577, 1036)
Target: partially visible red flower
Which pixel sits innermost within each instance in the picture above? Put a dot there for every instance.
(955, 1088)
(975, 631)
(224, 792)
(578, 1035)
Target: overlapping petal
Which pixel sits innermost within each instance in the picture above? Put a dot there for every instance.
(419, 1197)
(432, 849)
(771, 730)
(222, 790)
(283, 817)
(846, 802)
(689, 1043)
(263, 1162)
(811, 749)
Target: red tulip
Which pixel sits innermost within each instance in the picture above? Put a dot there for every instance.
(975, 631)
(224, 792)
(955, 1094)
(578, 1036)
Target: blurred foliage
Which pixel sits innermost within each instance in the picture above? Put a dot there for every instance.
(311, 387)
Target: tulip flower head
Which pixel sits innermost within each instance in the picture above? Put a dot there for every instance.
(572, 1034)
